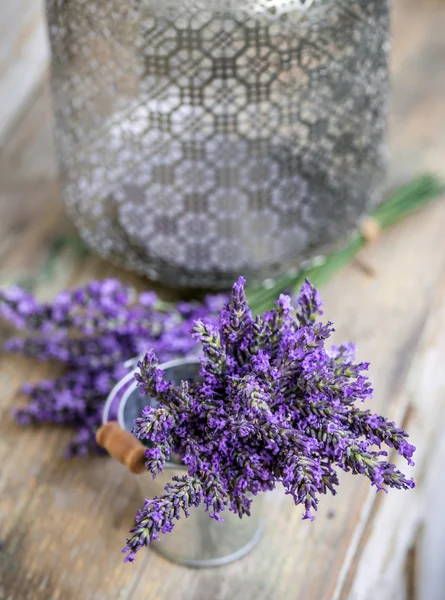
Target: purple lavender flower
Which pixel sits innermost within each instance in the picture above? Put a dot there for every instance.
(157, 515)
(93, 330)
(274, 406)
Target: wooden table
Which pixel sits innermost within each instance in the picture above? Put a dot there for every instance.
(62, 524)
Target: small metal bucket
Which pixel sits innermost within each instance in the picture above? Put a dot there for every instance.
(197, 541)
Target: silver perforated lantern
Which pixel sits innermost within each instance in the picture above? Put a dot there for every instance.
(201, 139)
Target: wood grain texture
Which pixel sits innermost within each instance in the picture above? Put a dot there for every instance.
(63, 524)
(417, 117)
(395, 519)
(24, 55)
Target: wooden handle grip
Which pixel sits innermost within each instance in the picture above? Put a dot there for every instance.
(122, 446)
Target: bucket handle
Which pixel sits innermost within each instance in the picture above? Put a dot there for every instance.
(122, 446)
(125, 448)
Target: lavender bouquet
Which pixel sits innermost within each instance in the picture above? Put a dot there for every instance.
(273, 405)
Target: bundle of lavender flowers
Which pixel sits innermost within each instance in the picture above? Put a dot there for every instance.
(274, 406)
(93, 331)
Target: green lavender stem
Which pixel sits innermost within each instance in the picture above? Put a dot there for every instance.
(396, 207)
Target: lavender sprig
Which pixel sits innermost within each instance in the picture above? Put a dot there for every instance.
(274, 406)
(93, 330)
(158, 515)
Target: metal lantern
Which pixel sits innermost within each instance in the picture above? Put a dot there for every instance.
(201, 139)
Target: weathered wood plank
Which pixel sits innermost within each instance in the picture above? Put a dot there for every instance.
(23, 56)
(417, 125)
(396, 518)
(29, 154)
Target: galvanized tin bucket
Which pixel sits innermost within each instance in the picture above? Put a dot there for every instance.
(197, 541)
